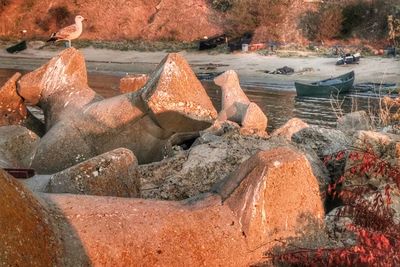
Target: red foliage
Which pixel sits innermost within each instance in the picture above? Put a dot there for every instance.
(378, 235)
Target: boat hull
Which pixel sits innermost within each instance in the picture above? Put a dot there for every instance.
(319, 89)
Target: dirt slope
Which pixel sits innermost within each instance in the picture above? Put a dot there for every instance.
(109, 19)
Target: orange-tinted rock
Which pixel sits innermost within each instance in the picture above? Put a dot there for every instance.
(80, 125)
(26, 235)
(12, 107)
(17, 146)
(254, 118)
(274, 196)
(131, 232)
(265, 199)
(58, 87)
(289, 128)
(176, 98)
(109, 174)
(132, 83)
(234, 100)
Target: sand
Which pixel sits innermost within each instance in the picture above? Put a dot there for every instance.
(250, 66)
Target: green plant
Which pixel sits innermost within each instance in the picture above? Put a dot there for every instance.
(366, 19)
(373, 222)
(246, 15)
(61, 15)
(325, 23)
(221, 5)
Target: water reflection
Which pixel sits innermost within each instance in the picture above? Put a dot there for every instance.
(279, 106)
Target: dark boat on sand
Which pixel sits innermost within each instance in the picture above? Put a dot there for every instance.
(336, 85)
(17, 48)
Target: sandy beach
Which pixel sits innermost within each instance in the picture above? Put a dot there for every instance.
(251, 67)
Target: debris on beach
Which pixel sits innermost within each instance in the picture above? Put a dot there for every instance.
(284, 71)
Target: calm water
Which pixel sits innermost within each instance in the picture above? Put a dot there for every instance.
(279, 106)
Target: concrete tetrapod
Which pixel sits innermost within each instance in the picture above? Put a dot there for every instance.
(236, 106)
(13, 110)
(80, 124)
(268, 197)
(113, 173)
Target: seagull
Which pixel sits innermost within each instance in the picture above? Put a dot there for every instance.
(68, 33)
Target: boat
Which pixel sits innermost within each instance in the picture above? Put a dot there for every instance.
(336, 85)
(209, 43)
(383, 88)
(17, 48)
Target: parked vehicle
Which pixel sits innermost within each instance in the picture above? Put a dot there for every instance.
(349, 59)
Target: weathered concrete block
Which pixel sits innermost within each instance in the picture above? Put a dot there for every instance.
(176, 98)
(132, 83)
(254, 118)
(82, 125)
(265, 199)
(12, 108)
(234, 100)
(274, 194)
(236, 106)
(58, 87)
(109, 174)
(290, 128)
(17, 146)
(27, 237)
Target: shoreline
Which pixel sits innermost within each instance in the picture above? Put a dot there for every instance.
(249, 66)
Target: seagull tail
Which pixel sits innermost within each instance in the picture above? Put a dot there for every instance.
(53, 38)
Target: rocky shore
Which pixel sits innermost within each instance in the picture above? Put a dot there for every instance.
(157, 176)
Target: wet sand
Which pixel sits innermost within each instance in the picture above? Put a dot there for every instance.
(250, 66)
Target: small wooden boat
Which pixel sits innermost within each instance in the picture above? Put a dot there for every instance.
(17, 48)
(213, 42)
(336, 85)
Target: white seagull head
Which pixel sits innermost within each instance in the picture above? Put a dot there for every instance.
(79, 18)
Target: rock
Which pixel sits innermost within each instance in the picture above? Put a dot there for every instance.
(254, 118)
(338, 227)
(196, 170)
(274, 195)
(132, 83)
(210, 159)
(59, 87)
(353, 122)
(82, 125)
(234, 100)
(109, 174)
(176, 99)
(17, 146)
(375, 147)
(267, 198)
(236, 107)
(322, 140)
(290, 128)
(12, 108)
(26, 234)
